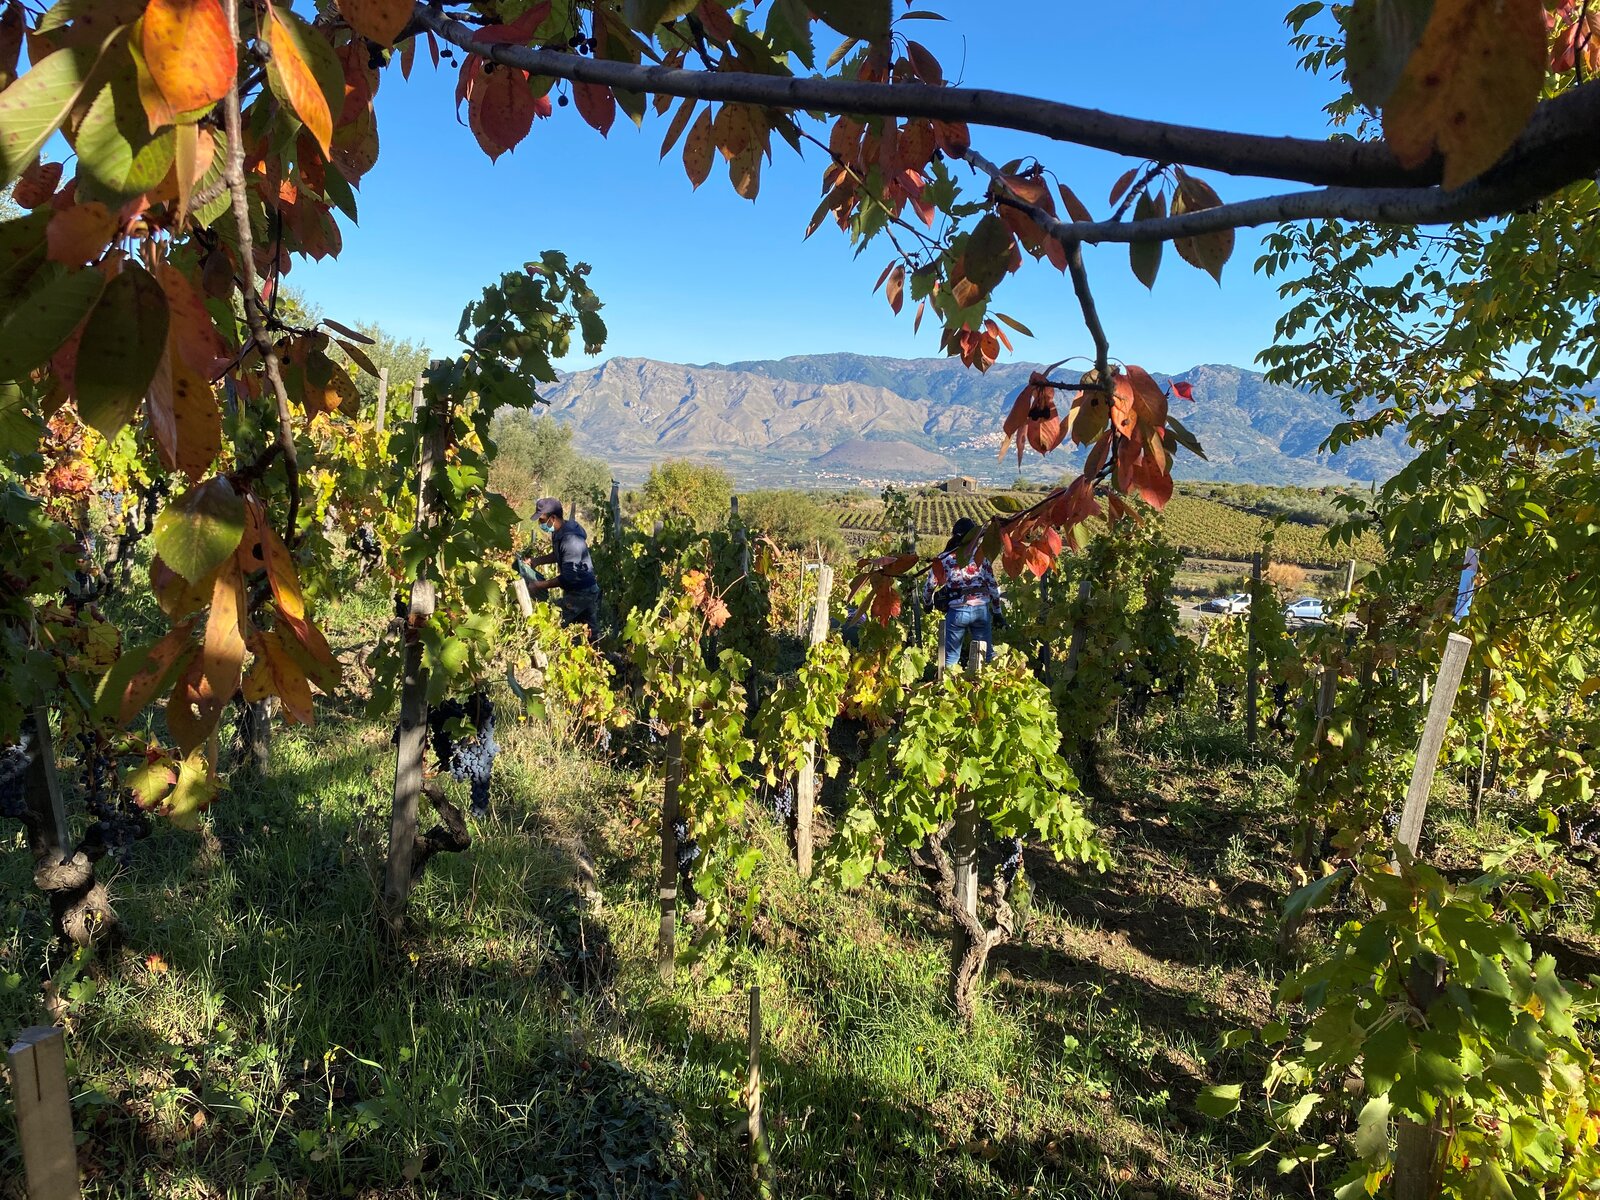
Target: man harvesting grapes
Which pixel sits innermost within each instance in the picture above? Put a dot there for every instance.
(569, 554)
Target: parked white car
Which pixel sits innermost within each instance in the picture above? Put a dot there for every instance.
(1306, 609)
(1239, 602)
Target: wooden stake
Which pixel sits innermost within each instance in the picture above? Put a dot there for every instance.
(1079, 627)
(413, 732)
(805, 788)
(519, 589)
(1485, 693)
(908, 545)
(1252, 686)
(1444, 698)
(667, 937)
(38, 1062)
(616, 511)
(383, 397)
(1350, 579)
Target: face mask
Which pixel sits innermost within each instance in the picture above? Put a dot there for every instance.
(547, 527)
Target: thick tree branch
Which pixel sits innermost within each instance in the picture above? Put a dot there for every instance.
(256, 318)
(1555, 147)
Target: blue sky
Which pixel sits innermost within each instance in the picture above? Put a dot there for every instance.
(705, 276)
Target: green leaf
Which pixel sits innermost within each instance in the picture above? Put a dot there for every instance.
(22, 253)
(864, 19)
(117, 155)
(121, 349)
(1183, 437)
(987, 254)
(34, 107)
(20, 430)
(196, 532)
(37, 325)
(1313, 894)
(1006, 504)
(1218, 1100)
(1372, 1129)
(1145, 257)
(1489, 1183)
(1015, 324)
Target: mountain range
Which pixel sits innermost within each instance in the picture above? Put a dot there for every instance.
(846, 419)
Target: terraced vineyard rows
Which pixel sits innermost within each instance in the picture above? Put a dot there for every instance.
(1200, 527)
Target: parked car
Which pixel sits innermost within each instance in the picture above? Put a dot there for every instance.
(1239, 602)
(1305, 609)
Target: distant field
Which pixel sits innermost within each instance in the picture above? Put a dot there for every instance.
(1200, 527)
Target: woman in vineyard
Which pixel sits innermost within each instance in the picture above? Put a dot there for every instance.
(965, 590)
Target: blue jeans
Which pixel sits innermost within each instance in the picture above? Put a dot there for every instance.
(961, 619)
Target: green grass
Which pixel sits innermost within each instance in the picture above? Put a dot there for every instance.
(256, 1034)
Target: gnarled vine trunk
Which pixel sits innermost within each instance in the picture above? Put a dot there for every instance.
(80, 906)
(973, 940)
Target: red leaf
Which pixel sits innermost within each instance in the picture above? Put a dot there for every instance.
(37, 185)
(1183, 390)
(596, 105)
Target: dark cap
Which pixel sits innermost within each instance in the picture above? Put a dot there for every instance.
(963, 529)
(547, 507)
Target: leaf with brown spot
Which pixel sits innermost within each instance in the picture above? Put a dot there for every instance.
(274, 672)
(680, 122)
(189, 51)
(1469, 87)
(222, 654)
(263, 549)
(194, 333)
(697, 149)
(300, 57)
(139, 675)
(896, 291)
(37, 185)
(310, 650)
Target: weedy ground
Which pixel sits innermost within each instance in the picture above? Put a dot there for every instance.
(255, 1034)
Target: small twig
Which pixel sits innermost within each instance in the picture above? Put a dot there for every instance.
(1138, 186)
(234, 173)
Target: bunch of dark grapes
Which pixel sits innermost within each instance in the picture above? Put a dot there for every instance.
(14, 763)
(783, 801)
(1013, 862)
(468, 756)
(118, 821)
(367, 547)
(688, 852)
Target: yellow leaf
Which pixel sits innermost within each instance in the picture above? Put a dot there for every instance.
(1470, 86)
(189, 50)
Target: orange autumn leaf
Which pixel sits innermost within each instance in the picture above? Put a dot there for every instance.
(79, 234)
(190, 52)
(295, 76)
(377, 20)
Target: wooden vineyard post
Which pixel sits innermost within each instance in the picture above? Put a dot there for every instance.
(964, 834)
(1350, 579)
(1444, 699)
(752, 1097)
(1252, 686)
(1417, 1147)
(383, 398)
(616, 511)
(55, 844)
(805, 787)
(413, 731)
(38, 1062)
(739, 538)
(667, 936)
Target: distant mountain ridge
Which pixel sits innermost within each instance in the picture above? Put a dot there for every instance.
(845, 418)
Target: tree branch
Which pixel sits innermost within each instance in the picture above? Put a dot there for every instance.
(1556, 146)
(234, 173)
